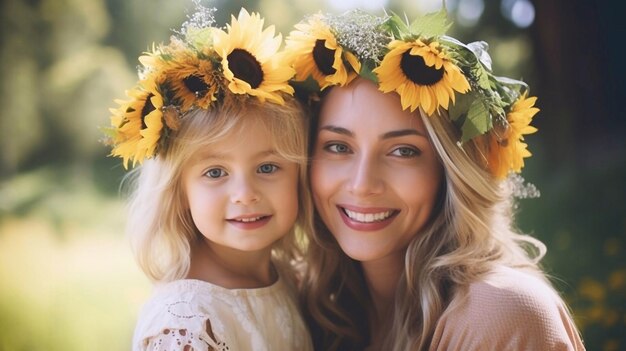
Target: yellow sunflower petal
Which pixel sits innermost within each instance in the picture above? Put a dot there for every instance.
(508, 155)
(430, 91)
(324, 63)
(247, 57)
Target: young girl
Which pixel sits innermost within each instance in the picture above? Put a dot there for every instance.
(412, 154)
(215, 209)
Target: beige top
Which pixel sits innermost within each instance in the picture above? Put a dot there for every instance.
(260, 319)
(508, 310)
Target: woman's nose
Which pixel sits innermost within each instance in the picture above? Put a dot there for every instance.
(365, 177)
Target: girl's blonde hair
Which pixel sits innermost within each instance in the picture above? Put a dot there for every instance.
(470, 232)
(160, 226)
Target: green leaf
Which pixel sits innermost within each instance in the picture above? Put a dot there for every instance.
(479, 48)
(450, 41)
(199, 37)
(431, 25)
(477, 122)
(461, 105)
(398, 27)
(514, 84)
(391, 26)
(110, 135)
(366, 72)
(460, 51)
(509, 89)
(109, 132)
(167, 57)
(306, 89)
(482, 77)
(467, 58)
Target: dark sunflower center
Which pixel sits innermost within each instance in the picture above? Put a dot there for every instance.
(147, 108)
(416, 70)
(245, 67)
(324, 57)
(196, 85)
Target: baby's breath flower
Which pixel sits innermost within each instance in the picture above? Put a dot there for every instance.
(360, 33)
(202, 17)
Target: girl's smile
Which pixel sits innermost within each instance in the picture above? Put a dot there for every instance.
(249, 222)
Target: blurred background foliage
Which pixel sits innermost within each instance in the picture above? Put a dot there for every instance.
(67, 278)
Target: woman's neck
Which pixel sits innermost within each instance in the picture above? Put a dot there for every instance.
(230, 268)
(382, 277)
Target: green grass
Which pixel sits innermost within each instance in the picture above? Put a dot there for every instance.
(81, 293)
(67, 277)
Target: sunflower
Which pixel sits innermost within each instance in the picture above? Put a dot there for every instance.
(132, 120)
(151, 134)
(423, 75)
(192, 80)
(508, 149)
(249, 58)
(313, 51)
(154, 66)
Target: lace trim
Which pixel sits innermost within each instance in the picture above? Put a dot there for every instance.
(181, 339)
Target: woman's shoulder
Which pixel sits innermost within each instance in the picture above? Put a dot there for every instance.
(508, 309)
(511, 290)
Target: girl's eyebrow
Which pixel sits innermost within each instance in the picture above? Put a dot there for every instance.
(224, 156)
(388, 135)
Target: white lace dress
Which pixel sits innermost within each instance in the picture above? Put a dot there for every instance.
(195, 315)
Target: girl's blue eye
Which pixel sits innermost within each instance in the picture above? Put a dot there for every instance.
(267, 168)
(406, 152)
(338, 148)
(215, 173)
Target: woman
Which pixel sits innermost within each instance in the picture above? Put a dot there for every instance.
(413, 247)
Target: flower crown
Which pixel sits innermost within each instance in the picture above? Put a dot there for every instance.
(428, 69)
(196, 69)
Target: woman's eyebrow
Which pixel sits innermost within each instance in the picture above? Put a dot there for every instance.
(338, 130)
(388, 135)
(400, 133)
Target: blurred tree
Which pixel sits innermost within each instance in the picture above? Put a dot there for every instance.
(20, 125)
(56, 79)
(575, 49)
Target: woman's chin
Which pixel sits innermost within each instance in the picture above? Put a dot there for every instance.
(365, 252)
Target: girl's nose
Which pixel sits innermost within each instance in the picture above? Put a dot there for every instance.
(244, 191)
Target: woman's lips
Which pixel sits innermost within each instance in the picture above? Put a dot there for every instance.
(367, 219)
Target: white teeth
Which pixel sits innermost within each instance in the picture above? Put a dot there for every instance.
(248, 220)
(368, 217)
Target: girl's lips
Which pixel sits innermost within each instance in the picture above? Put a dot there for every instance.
(367, 219)
(249, 222)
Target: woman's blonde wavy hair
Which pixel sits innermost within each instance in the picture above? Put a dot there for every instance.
(160, 226)
(469, 233)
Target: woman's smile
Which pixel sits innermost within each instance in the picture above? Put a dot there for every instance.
(367, 219)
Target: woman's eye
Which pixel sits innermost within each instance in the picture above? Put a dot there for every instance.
(216, 173)
(406, 152)
(267, 168)
(337, 148)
